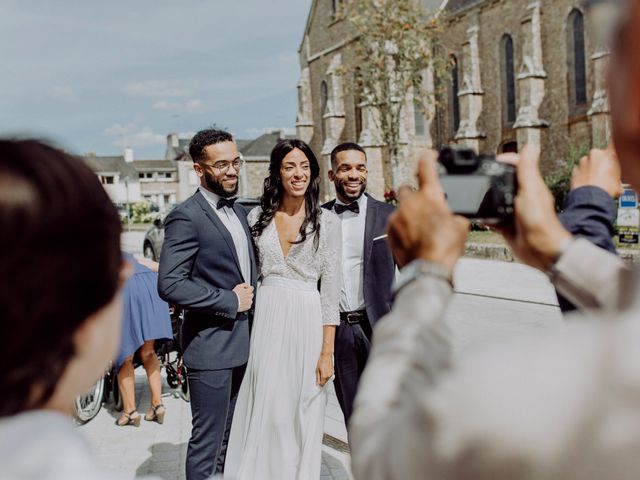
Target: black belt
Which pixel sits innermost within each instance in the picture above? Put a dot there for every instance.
(352, 318)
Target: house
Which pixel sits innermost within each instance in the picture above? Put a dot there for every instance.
(118, 177)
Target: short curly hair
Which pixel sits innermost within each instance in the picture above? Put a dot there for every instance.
(203, 139)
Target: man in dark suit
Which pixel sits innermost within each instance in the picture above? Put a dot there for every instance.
(368, 268)
(207, 266)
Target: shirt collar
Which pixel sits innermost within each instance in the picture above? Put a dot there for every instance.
(362, 202)
(210, 197)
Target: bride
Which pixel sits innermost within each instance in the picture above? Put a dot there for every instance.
(278, 423)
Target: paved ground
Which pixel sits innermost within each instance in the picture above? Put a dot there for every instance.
(160, 449)
(495, 301)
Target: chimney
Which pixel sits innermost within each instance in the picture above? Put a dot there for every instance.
(172, 140)
(128, 154)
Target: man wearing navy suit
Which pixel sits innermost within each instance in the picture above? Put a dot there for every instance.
(207, 267)
(368, 268)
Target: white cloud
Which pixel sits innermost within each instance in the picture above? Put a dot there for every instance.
(63, 94)
(134, 135)
(190, 105)
(157, 88)
(121, 129)
(193, 104)
(164, 105)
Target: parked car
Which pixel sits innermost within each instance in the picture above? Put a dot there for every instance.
(153, 239)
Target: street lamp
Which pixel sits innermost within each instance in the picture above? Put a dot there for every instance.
(126, 188)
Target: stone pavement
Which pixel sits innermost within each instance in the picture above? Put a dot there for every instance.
(160, 450)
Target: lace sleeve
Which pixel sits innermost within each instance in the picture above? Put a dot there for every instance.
(331, 274)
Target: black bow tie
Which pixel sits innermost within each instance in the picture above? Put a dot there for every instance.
(226, 202)
(353, 206)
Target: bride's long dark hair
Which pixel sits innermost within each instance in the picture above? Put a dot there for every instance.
(274, 191)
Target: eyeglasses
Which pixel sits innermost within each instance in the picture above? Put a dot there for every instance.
(223, 165)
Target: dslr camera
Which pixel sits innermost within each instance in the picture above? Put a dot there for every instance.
(477, 186)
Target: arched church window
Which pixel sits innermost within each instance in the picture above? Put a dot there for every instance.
(357, 99)
(335, 7)
(508, 82)
(509, 147)
(576, 56)
(418, 115)
(324, 102)
(455, 90)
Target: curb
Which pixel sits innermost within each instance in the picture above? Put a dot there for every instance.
(503, 253)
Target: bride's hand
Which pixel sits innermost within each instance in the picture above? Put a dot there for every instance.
(324, 370)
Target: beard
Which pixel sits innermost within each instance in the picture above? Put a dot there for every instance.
(342, 192)
(217, 187)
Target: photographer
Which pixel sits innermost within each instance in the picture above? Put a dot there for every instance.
(561, 406)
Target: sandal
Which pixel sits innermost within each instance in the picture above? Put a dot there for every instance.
(129, 419)
(156, 414)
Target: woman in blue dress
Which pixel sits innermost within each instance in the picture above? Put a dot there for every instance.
(145, 319)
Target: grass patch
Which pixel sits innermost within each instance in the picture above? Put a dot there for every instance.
(486, 237)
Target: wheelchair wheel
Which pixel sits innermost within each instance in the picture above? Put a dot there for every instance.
(172, 379)
(88, 405)
(117, 398)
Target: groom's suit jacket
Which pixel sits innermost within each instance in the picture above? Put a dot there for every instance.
(199, 268)
(379, 265)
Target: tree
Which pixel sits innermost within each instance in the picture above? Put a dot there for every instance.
(393, 51)
(558, 180)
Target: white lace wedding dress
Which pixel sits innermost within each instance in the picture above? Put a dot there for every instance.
(278, 422)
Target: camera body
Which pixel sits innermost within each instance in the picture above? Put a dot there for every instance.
(477, 186)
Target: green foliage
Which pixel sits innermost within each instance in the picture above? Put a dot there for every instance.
(559, 180)
(394, 48)
(140, 212)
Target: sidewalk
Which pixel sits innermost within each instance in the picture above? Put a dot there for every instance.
(160, 450)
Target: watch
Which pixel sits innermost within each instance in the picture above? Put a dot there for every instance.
(420, 268)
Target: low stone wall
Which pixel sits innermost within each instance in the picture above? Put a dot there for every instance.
(503, 253)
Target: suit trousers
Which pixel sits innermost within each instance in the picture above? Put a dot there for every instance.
(213, 397)
(351, 350)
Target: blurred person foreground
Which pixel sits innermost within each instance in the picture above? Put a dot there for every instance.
(53, 353)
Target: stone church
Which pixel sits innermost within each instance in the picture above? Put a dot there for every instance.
(521, 71)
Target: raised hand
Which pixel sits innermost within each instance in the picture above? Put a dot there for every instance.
(537, 235)
(600, 168)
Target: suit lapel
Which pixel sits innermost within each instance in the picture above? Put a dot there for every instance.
(220, 226)
(242, 216)
(369, 231)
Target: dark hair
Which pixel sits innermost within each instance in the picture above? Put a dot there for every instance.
(273, 191)
(59, 263)
(203, 139)
(345, 147)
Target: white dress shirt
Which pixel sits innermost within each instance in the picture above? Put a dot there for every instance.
(353, 226)
(231, 221)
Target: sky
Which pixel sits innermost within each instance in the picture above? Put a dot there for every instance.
(96, 76)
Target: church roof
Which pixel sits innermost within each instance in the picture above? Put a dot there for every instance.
(262, 146)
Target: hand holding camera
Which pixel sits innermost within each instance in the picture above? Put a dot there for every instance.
(508, 193)
(424, 226)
